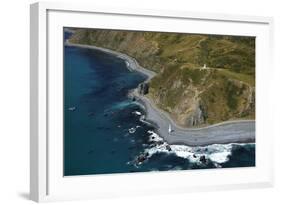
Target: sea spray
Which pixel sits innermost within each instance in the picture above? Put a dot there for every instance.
(215, 153)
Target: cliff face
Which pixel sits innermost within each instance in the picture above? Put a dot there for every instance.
(201, 79)
(213, 98)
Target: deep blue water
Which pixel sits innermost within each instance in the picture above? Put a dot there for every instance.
(103, 130)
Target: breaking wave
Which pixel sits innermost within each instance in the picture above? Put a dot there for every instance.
(215, 153)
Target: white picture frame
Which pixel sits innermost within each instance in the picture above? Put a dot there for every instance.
(47, 182)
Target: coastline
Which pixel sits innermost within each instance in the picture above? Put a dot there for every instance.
(238, 131)
(132, 63)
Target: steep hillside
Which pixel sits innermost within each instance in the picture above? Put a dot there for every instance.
(192, 93)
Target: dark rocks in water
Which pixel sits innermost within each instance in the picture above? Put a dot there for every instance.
(156, 143)
(142, 158)
(160, 142)
(105, 114)
(194, 155)
(133, 99)
(143, 88)
(203, 159)
(168, 147)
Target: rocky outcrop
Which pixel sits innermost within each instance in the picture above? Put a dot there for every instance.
(143, 88)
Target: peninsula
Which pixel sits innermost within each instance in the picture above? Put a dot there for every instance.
(200, 79)
(236, 131)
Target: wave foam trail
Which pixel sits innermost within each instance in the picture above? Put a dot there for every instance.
(119, 106)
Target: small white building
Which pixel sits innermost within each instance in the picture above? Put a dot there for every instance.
(170, 129)
(204, 67)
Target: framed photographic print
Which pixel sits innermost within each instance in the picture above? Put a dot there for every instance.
(127, 101)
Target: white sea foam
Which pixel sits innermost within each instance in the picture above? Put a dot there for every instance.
(217, 153)
(137, 113)
(128, 65)
(156, 149)
(132, 130)
(220, 157)
(186, 152)
(154, 137)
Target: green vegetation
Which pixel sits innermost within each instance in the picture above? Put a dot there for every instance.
(223, 91)
(250, 79)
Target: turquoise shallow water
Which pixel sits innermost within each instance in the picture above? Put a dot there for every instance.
(103, 128)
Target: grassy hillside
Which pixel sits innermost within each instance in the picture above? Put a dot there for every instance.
(225, 90)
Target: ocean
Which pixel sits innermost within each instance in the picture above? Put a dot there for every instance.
(104, 130)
